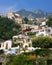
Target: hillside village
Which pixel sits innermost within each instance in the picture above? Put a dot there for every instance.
(25, 32)
(23, 40)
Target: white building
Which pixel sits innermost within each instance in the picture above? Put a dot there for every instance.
(44, 32)
(32, 27)
(6, 45)
(16, 17)
(23, 40)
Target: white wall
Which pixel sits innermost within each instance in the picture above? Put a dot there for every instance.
(7, 43)
(44, 32)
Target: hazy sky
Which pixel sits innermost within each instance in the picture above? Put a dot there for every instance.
(14, 5)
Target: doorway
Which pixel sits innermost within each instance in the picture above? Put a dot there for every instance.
(0, 63)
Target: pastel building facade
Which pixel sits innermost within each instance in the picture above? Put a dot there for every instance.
(6, 45)
(16, 17)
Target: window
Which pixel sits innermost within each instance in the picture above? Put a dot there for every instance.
(6, 45)
(47, 30)
(37, 32)
(41, 30)
(28, 40)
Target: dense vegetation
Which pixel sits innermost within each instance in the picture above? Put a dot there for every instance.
(31, 33)
(8, 28)
(42, 42)
(37, 57)
(27, 21)
(19, 60)
(49, 22)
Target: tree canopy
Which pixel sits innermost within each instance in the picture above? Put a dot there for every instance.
(8, 28)
(43, 42)
(19, 60)
(49, 22)
(25, 20)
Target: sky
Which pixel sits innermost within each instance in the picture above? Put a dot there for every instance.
(31, 5)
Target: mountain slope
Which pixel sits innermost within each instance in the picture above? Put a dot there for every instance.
(25, 13)
(40, 13)
(34, 14)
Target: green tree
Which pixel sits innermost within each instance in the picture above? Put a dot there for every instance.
(42, 52)
(43, 42)
(8, 28)
(20, 60)
(49, 22)
(31, 33)
(25, 20)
